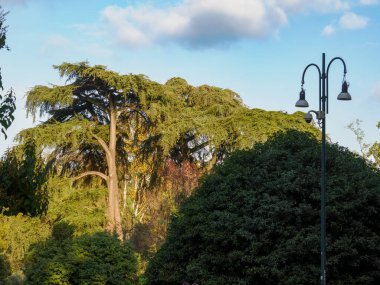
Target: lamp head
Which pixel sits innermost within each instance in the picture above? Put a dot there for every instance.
(344, 95)
(302, 101)
(308, 118)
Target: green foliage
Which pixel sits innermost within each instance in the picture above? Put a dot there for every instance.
(194, 128)
(3, 33)
(82, 207)
(368, 151)
(88, 259)
(17, 233)
(7, 105)
(359, 134)
(22, 177)
(255, 220)
(375, 150)
(7, 108)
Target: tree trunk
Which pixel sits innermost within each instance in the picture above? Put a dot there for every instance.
(114, 217)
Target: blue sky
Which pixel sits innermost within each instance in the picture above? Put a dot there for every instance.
(257, 48)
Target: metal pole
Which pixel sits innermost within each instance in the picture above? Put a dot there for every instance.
(323, 176)
(321, 116)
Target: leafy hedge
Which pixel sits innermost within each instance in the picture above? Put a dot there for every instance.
(256, 220)
(17, 233)
(89, 259)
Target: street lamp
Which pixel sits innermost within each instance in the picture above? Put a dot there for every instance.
(321, 117)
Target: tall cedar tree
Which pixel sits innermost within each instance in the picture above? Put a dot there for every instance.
(101, 116)
(86, 123)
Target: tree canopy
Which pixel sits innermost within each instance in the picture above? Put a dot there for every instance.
(126, 129)
(255, 220)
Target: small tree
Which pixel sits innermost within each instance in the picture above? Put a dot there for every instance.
(368, 151)
(375, 150)
(256, 220)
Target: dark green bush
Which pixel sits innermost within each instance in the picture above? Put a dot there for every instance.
(255, 221)
(22, 177)
(89, 259)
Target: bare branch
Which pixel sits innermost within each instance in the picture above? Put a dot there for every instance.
(103, 144)
(102, 175)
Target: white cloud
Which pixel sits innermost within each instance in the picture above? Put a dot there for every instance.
(195, 23)
(324, 6)
(353, 21)
(368, 2)
(204, 23)
(328, 30)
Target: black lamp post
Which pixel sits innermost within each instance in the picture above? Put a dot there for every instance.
(321, 117)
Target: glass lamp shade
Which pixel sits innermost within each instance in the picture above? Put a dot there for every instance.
(302, 101)
(344, 95)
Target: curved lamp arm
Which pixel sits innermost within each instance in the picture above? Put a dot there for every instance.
(331, 61)
(320, 78)
(327, 77)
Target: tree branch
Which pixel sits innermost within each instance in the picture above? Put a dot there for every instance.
(102, 175)
(103, 145)
(199, 147)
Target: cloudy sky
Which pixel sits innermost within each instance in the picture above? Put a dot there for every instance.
(257, 48)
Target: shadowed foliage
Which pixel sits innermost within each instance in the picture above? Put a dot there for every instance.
(255, 220)
(23, 174)
(5, 268)
(88, 259)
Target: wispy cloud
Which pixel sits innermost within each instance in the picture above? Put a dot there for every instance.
(205, 23)
(328, 30)
(12, 2)
(352, 21)
(58, 41)
(368, 2)
(62, 44)
(324, 6)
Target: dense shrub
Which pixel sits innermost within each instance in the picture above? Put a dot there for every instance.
(82, 208)
(17, 233)
(89, 259)
(256, 220)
